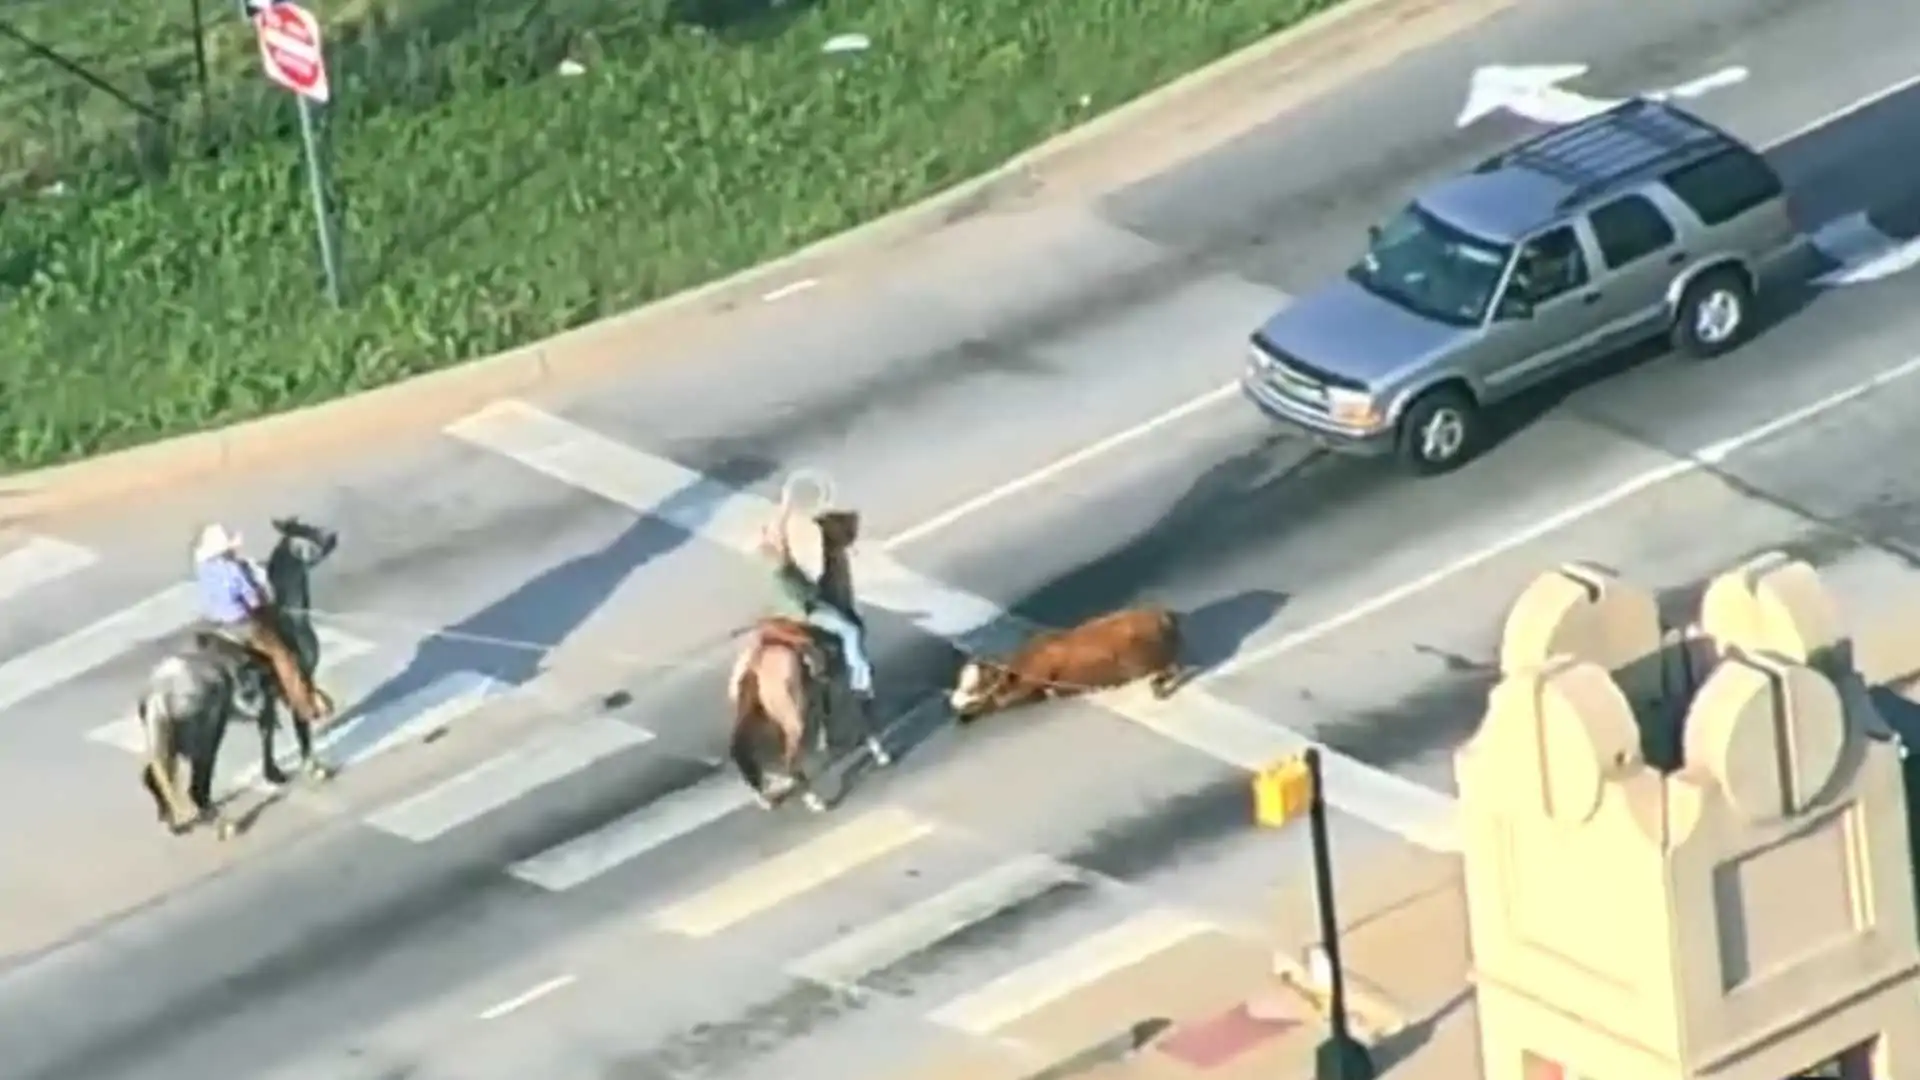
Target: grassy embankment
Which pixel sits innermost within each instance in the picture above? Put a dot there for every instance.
(148, 288)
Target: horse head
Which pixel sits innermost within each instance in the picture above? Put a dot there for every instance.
(302, 541)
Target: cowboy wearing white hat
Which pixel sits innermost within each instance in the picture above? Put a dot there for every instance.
(232, 599)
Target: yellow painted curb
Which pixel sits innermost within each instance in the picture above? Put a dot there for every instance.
(1309, 59)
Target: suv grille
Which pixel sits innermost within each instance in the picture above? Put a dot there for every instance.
(1296, 380)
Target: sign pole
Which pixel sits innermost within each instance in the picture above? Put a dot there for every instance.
(322, 214)
(292, 56)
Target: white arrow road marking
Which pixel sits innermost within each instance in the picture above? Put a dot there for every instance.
(1863, 251)
(1534, 92)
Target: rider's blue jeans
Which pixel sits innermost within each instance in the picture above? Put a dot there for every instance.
(852, 642)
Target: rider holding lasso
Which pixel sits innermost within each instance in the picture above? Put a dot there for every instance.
(233, 600)
(799, 597)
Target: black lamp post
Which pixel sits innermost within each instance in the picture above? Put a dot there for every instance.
(1340, 1056)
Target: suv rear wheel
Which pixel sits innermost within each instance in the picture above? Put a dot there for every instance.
(1440, 431)
(1714, 314)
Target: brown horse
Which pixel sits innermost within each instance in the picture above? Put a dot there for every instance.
(789, 679)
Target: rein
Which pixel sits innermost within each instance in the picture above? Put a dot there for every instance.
(685, 658)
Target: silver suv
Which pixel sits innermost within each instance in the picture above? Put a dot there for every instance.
(1643, 221)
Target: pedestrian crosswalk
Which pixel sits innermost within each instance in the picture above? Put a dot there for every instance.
(842, 856)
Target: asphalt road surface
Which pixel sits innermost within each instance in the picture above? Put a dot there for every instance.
(531, 867)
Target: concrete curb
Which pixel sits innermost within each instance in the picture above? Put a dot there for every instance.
(1321, 53)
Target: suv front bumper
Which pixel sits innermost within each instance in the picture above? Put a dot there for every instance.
(1316, 428)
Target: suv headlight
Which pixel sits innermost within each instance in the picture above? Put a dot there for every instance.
(1355, 409)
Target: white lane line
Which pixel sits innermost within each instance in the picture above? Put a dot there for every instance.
(856, 956)
(1053, 470)
(1856, 105)
(500, 780)
(787, 875)
(40, 560)
(655, 825)
(790, 289)
(1707, 456)
(1032, 988)
(41, 669)
(521, 1001)
(336, 650)
(617, 472)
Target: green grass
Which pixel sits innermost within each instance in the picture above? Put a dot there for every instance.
(487, 200)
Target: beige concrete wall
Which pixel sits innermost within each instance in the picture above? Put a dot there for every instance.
(1740, 913)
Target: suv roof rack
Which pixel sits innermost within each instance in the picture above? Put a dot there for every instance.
(1627, 141)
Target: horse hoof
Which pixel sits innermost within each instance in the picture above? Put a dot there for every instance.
(319, 772)
(881, 759)
(274, 776)
(812, 801)
(761, 798)
(227, 831)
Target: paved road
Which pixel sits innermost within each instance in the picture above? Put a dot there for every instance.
(532, 866)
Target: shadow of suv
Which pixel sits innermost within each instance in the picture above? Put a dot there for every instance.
(1639, 222)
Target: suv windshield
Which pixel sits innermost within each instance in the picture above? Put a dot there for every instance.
(1421, 263)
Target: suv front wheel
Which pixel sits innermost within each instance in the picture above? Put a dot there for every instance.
(1714, 314)
(1440, 431)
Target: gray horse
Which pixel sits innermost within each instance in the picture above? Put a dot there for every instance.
(192, 696)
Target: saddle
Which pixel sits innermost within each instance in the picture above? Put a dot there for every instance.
(819, 651)
(225, 648)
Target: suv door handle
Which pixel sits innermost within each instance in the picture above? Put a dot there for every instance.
(1676, 258)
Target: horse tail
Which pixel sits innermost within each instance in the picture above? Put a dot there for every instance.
(157, 725)
(747, 715)
(740, 748)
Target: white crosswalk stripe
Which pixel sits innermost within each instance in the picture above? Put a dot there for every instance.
(39, 670)
(40, 560)
(849, 960)
(500, 780)
(792, 873)
(654, 826)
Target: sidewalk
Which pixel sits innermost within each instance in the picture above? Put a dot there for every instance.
(1212, 1008)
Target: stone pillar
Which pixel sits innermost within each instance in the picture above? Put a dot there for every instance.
(1743, 911)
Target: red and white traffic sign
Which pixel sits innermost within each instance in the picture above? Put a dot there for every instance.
(290, 49)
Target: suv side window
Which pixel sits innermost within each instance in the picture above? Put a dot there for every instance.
(1549, 266)
(1628, 229)
(1724, 186)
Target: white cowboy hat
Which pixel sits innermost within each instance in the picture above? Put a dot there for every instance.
(215, 540)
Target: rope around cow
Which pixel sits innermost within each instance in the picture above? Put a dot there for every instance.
(684, 659)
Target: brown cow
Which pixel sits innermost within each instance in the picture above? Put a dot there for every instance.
(1110, 651)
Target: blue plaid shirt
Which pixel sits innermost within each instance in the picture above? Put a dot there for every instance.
(227, 592)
